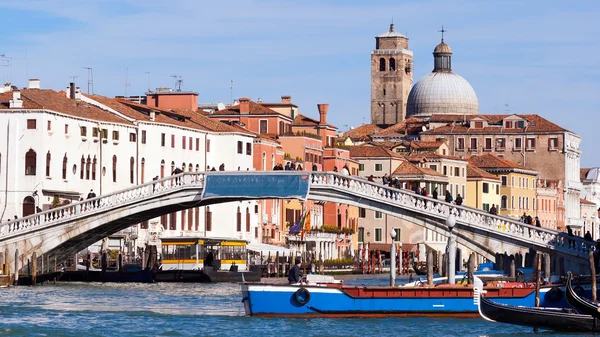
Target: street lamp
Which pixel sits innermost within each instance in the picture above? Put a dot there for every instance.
(450, 222)
(392, 259)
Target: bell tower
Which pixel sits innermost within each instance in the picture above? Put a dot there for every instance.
(391, 78)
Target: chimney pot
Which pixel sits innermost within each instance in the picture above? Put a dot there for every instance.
(259, 100)
(16, 102)
(34, 83)
(286, 99)
(323, 113)
(244, 105)
(152, 116)
(72, 90)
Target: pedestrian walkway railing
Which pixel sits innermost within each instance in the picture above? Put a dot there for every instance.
(84, 208)
(440, 210)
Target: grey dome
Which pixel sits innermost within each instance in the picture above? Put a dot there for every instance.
(442, 93)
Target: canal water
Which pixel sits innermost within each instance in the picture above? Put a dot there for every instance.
(95, 309)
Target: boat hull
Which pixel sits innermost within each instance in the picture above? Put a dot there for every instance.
(342, 301)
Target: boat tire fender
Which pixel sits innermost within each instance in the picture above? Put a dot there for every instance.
(579, 290)
(302, 296)
(553, 295)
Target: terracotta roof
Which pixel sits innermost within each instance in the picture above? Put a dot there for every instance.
(410, 125)
(301, 120)
(59, 102)
(255, 109)
(386, 143)
(362, 132)
(473, 172)
(490, 161)
(586, 202)
(431, 156)
(408, 169)
(535, 123)
(422, 145)
(366, 151)
(583, 172)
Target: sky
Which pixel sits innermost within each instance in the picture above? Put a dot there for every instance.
(538, 57)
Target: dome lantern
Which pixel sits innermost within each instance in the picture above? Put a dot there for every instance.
(442, 56)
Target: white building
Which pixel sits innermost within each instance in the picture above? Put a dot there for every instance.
(58, 146)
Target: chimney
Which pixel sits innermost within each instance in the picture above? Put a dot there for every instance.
(323, 113)
(152, 115)
(16, 102)
(34, 83)
(286, 99)
(244, 106)
(259, 100)
(72, 90)
(78, 93)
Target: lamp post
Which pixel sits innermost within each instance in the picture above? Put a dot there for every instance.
(393, 259)
(450, 222)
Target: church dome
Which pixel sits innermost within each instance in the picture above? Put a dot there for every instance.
(442, 91)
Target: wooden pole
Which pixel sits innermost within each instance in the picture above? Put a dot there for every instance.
(16, 266)
(593, 274)
(34, 268)
(513, 270)
(429, 267)
(55, 263)
(547, 267)
(277, 263)
(471, 268)
(538, 272)
(42, 260)
(6, 271)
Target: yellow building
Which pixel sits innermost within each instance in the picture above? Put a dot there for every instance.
(483, 189)
(517, 184)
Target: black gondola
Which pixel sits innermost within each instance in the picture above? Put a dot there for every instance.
(580, 303)
(543, 318)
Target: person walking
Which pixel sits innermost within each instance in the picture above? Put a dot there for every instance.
(459, 200)
(448, 196)
(537, 222)
(434, 194)
(493, 210)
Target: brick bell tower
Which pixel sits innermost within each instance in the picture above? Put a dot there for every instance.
(391, 78)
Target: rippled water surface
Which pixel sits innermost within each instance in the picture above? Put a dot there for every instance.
(95, 309)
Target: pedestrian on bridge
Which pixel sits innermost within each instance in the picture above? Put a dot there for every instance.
(493, 210)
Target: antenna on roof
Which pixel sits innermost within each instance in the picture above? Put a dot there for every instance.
(126, 80)
(90, 79)
(73, 78)
(231, 91)
(6, 59)
(178, 82)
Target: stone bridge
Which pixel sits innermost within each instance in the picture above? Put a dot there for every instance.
(61, 232)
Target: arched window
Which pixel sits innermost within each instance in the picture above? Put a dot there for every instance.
(190, 168)
(143, 169)
(208, 220)
(190, 213)
(30, 162)
(238, 220)
(382, 64)
(197, 168)
(247, 220)
(28, 206)
(64, 167)
(81, 168)
(162, 168)
(392, 64)
(131, 169)
(94, 164)
(339, 219)
(114, 169)
(272, 160)
(172, 167)
(88, 166)
(264, 162)
(48, 158)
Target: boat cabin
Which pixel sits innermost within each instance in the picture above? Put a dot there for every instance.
(195, 253)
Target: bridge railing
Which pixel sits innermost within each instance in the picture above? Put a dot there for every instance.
(441, 210)
(86, 207)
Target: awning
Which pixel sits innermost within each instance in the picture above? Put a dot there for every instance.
(58, 192)
(266, 249)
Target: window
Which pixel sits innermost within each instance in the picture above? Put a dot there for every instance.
(114, 169)
(83, 131)
(94, 162)
(486, 207)
(362, 213)
(197, 144)
(132, 137)
(488, 144)
(504, 202)
(208, 145)
(31, 124)
(473, 144)
(461, 144)
(378, 234)
(115, 135)
(361, 167)
(478, 125)
(530, 144)
(208, 219)
(445, 170)
(105, 134)
(520, 124)
(163, 140)
(30, 162)
(95, 132)
(433, 167)
(508, 124)
(48, 157)
(183, 141)
(49, 125)
(518, 143)
(512, 202)
(392, 64)
(240, 147)
(552, 143)
(378, 215)
(247, 220)
(87, 168)
(238, 220)
(378, 167)
(497, 189)
(463, 172)
(249, 149)
(144, 137)
(263, 126)
(131, 170)
(81, 168)
(382, 66)
(64, 167)
(500, 144)
(457, 171)
(361, 234)
(504, 180)
(66, 129)
(398, 236)
(172, 141)
(191, 145)
(173, 221)
(486, 188)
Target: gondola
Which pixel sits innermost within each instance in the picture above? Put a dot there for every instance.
(419, 271)
(566, 320)
(580, 303)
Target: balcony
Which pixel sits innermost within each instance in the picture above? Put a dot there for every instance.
(460, 149)
(487, 149)
(499, 148)
(472, 149)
